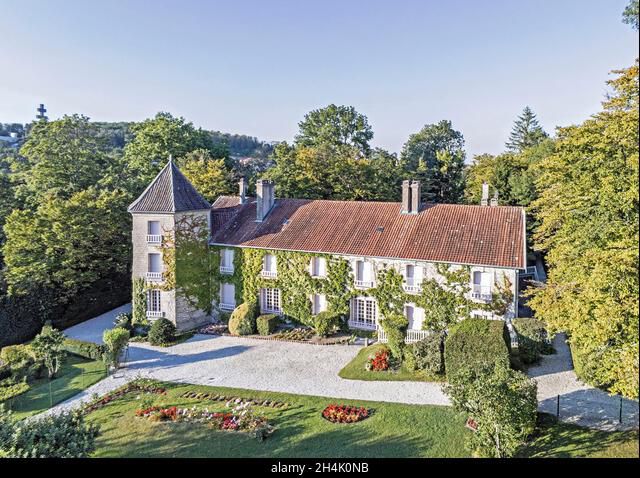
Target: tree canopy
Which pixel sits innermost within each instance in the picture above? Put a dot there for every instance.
(526, 132)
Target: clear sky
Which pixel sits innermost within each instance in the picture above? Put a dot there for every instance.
(256, 67)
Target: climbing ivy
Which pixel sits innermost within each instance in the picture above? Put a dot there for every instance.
(139, 301)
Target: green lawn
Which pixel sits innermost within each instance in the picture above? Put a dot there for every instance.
(74, 376)
(355, 370)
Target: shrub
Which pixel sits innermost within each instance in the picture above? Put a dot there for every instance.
(162, 332)
(123, 320)
(325, 323)
(87, 350)
(427, 354)
(378, 362)
(266, 324)
(5, 370)
(243, 319)
(47, 347)
(16, 354)
(115, 340)
(476, 342)
(10, 388)
(502, 403)
(532, 339)
(395, 327)
(54, 436)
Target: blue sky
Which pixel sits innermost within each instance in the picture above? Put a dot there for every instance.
(256, 67)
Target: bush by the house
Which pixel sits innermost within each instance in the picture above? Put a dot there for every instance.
(123, 320)
(476, 342)
(115, 340)
(325, 323)
(243, 319)
(501, 402)
(267, 323)
(162, 332)
(426, 355)
(64, 435)
(532, 339)
(378, 362)
(11, 388)
(395, 326)
(87, 350)
(48, 347)
(15, 354)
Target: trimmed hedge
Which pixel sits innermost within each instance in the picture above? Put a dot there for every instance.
(426, 354)
(243, 319)
(267, 323)
(475, 343)
(162, 332)
(83, 349)
(325, 322)
(532, 339)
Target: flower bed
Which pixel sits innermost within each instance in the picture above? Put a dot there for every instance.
(119, 393)
(378, 362)
(234, 399)
(345, 414)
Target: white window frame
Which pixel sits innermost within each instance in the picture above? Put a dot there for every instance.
(365, 280)
(271, 271)
(154, 275)
(154, 237)
(318, 267)
(270, 301)
(322, 303)
(363, 313)
(154, 303)
(480, 291)
(227, 305)
(226, 261)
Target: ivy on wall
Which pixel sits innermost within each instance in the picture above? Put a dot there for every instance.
(139, 301)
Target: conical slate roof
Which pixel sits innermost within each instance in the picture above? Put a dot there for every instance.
(169, 192)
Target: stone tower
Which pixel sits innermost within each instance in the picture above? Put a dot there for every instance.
(168, 201)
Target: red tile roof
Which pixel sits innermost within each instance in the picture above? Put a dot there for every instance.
(459, 234)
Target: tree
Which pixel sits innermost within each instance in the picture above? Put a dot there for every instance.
(335, 126)
(115, 339)
(66, 435)
(435, 156)
(501, 402)
(47, 347)
(154, 140)
(526, 132)
(209, 176)
(588, 208)
(631, 14)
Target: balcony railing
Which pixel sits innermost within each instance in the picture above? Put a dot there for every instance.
(154, 275)
(482, 293)
(363, 284)
(227, 306)
(226, 270)
(410, 336)
(154, 238)
(358, 324)
(155, 314)
(270, 274)
(411, 288)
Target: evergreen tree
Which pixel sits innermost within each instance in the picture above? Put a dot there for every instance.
(631, 14)
(526, 132)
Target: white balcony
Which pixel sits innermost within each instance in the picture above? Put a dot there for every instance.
(226, 270)
(154, 238)
(227, 306)
(269, 274)
(412, 289)
(154, 314)
(481, 293)
(364, 325)
(155, 276)
(363, 284)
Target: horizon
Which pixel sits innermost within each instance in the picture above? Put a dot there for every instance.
(383, 68)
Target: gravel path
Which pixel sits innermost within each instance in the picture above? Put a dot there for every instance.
(91, 330)
(579, 403)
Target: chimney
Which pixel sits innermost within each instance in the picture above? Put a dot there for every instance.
(243, 190)
(494, 199)
(406, 197)
(265, 198)
(415, 197)
(485, 194)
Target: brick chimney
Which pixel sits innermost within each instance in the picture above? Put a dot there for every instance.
(485, 194)
(406, 197)
(243, 190)
(265, 198)
(415, 197)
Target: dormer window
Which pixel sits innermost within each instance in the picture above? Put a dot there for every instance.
(226, 261)
(318, 267)
(269, 266)
(364, 274)
(154, 235)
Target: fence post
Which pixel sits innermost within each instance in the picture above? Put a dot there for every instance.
(50, 394)
(558, 408)
(620, 417)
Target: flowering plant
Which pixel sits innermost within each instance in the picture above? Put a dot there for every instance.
(378, 362)
(345, 414)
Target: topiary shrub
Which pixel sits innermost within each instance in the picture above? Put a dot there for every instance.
(325, 323)
(475, 343)
(395, 326)
(115, 341)
(243, 319)
(427, 354)
(162, 332)
(267, 323)
(84, 349)
(532, 339)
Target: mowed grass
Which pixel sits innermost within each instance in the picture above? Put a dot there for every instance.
(75, 375)
(394, 430)
(355, 370)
